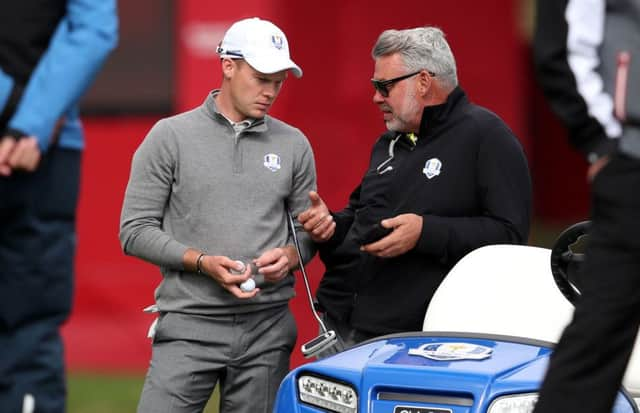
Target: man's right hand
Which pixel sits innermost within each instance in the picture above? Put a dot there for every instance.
(218, 267)
(23, 154)
(317, 220)
(7, 143)
(596, 167)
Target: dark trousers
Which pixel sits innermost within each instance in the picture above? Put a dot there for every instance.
(589, 362)
(37, 243)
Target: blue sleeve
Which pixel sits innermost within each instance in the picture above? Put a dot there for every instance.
(6, 84)
(79, 46)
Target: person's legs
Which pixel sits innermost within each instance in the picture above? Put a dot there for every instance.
(175, 382)
(588, 363)
(262, 349)
(40, 374)
(248, 354)
(190, 354)
(32, 368)
(37, 242)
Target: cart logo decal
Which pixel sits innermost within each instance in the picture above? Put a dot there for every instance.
(432, 168)
(452, 351)
(272, 162)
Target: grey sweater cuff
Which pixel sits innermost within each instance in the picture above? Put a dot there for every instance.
(630, 141)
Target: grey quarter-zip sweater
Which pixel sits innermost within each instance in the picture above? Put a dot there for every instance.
(197, 183)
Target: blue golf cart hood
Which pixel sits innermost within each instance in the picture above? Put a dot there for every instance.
(428, 373)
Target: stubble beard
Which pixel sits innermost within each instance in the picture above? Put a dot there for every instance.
(410, 109)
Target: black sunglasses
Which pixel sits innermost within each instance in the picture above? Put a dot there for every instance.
(382, 86)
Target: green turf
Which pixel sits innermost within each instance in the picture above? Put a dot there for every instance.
(109, 393)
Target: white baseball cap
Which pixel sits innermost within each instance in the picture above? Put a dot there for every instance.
(261, 44)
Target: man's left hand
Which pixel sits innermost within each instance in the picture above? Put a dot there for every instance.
(406, 232)
(276, 263)
(317, 220)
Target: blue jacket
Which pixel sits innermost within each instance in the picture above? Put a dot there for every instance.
(80, 43)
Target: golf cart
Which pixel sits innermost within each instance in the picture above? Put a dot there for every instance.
(485, 344)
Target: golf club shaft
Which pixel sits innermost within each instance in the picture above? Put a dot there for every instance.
(304, 273)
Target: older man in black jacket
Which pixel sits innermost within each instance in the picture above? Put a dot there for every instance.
(448, 177)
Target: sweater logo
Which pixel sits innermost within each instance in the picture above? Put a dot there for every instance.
(272, 162)
(432, 168)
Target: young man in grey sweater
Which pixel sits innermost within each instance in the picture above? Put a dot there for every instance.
(208, 188)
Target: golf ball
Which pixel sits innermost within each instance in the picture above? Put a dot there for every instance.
(248, 285)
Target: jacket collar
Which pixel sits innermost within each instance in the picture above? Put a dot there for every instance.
(433, 117)
(210, 108)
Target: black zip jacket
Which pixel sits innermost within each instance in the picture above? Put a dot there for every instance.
(467, 176)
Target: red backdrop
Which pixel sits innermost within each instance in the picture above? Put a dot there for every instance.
(331, 104)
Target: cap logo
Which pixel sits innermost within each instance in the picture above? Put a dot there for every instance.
(277, 41)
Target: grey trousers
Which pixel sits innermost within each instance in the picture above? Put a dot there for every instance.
(248, 354)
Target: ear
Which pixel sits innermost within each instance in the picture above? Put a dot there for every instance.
(228, 67)
(424, 82)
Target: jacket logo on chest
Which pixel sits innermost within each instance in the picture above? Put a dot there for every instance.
(432, 168)
(272, 162)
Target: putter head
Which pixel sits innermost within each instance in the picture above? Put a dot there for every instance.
(322, 342)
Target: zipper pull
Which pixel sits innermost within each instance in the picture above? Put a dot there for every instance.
(622, 75)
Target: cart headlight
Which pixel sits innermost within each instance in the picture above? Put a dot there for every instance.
(517, 403)
(327, 394)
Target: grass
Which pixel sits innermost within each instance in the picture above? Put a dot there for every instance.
(97, 393)
(110, 393)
